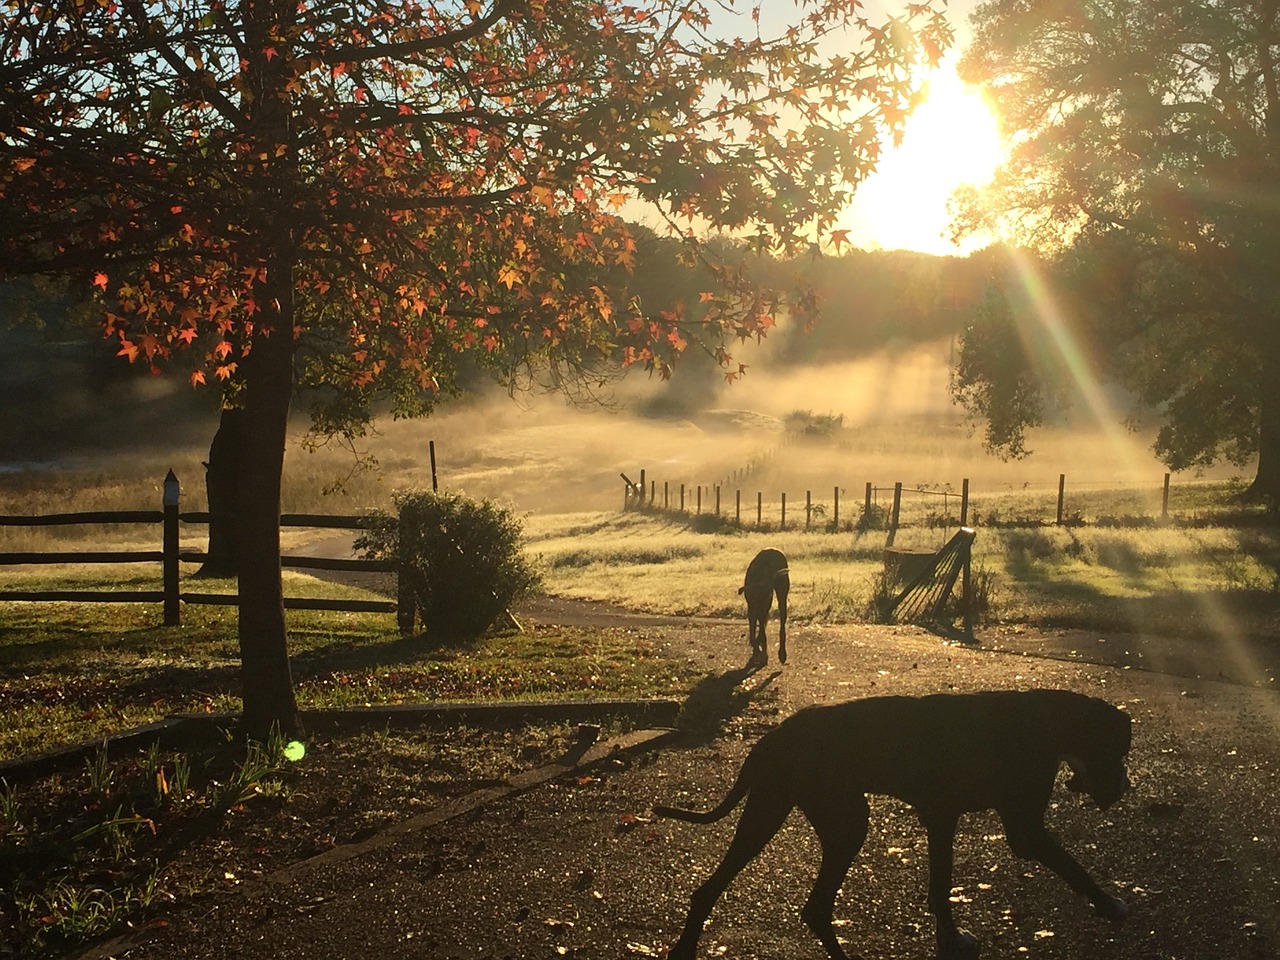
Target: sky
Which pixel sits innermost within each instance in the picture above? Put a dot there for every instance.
(951, 139)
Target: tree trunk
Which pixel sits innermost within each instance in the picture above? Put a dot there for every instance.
(221, 482)
(266, 679)
(1266, 483)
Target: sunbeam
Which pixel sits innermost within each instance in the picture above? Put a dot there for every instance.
(1224, 630)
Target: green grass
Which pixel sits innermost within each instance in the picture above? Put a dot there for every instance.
(1178, 580)
(71, 672)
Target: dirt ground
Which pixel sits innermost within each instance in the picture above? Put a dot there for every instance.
(570, 863)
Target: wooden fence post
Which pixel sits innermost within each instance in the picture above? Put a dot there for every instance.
(737, 507)
(783, 525)
(866, 506)
(1062, 488)
(808, 509)
(964, 503)
(759, 507)
(897, 506)
(682, 498)
(1164, 503)
(172, 606)
(699, 499)
(966, 590)
(666, 495)
(642, 487)
(431, 449)
(717, 500)
(406, 598)
(835, 509)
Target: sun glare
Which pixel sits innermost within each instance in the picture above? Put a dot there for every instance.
(950, 140)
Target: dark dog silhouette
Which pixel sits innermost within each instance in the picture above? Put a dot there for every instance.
(945, 755)
(767, 576)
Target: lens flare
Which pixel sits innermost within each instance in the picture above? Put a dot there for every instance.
(1219, 620)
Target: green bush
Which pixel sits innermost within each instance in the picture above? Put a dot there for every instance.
(461, 562)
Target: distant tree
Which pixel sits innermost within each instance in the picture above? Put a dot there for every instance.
(1146, 156)
(996, 377)
(359, 195)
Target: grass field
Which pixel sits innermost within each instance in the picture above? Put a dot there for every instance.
(1112, 567)
(1198, 581)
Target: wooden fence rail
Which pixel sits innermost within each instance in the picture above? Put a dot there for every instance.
(172, 553)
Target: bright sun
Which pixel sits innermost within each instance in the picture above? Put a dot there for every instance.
(951, 139)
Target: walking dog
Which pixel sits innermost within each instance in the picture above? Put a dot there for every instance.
(945, 755)
(767, 576)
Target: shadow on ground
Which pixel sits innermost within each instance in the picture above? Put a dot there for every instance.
(720, 697)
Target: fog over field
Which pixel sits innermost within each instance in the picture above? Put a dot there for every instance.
(899, 424)
(891, 420)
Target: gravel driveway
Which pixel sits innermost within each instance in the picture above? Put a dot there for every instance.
(575, 867)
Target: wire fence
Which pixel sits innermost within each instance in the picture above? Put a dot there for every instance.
(944, 506)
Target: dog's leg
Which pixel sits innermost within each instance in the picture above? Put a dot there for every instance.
(953, 943)
(761, 818)
(841, 825)
(1028, 837)
(757, 616)
(782, 588)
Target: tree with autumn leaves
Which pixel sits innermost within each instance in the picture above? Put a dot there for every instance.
(362, 194)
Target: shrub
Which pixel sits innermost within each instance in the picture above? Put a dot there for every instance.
(874, 517)
(461, 562)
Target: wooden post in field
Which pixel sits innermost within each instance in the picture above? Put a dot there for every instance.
(642, 487)
(835, 508)
(1164, 502)
(435, 482)
(699, 499)
(759, 507)
(172, 607)
(808, 509)
(783, 525)
(717, 500)
(966, 589)
(964, 503)
(653, 492)
(866, 505)
(666, 495)
(1062, 489)
(737, 507)
(682, 498)
(893, 518)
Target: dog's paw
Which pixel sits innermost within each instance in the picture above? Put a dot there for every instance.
(1113, 909)
(963, 946)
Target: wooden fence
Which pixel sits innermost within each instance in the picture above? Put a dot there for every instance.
(881, 507)
(171, 554)
(645, 494)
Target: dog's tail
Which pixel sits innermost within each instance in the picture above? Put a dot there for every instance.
(710, 816)
(731, 800)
